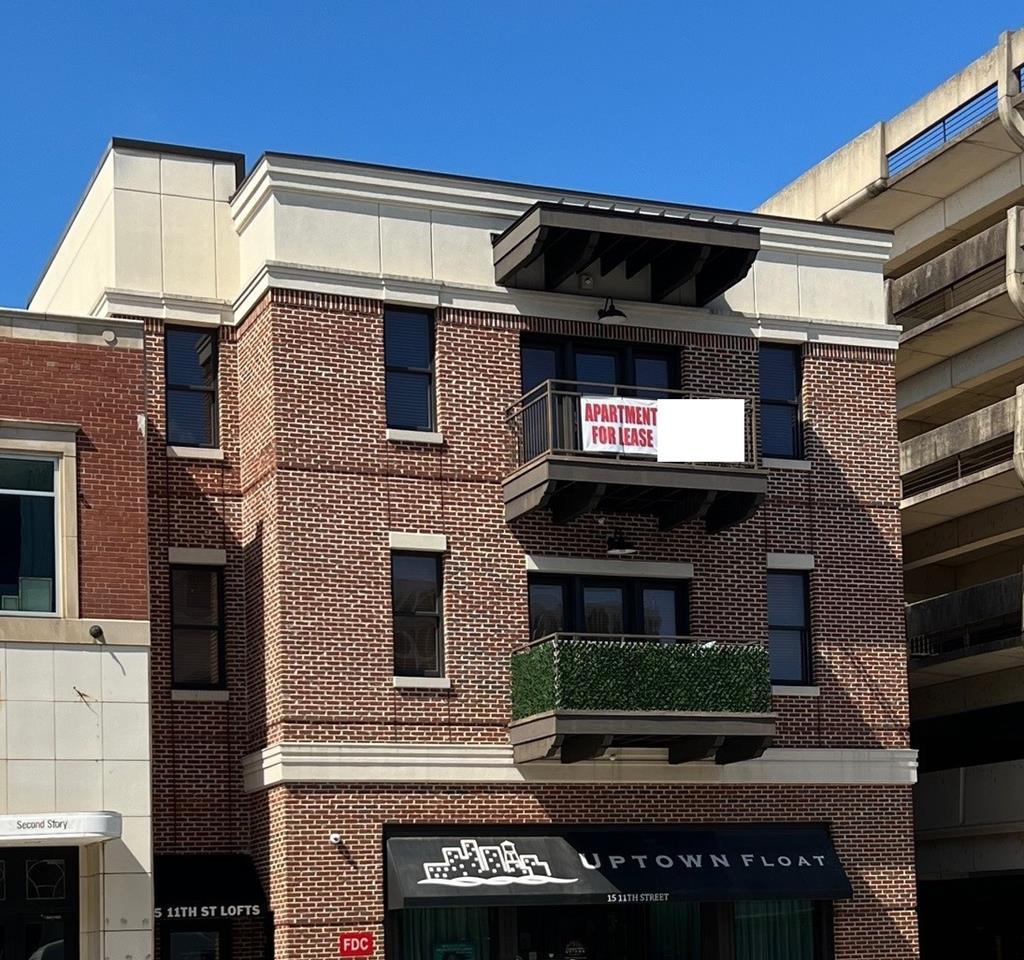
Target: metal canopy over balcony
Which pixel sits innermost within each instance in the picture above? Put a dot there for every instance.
(575, 696)
(550, 469)
(551, 243)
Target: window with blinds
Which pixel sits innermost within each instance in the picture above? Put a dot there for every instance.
(781, 425)
(409, 368)
(197, 628)
(788, 628)
(191, 372)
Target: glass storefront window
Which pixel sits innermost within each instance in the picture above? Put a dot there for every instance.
(195, 945)
(447, 933)
(760, 930)
(774, 930)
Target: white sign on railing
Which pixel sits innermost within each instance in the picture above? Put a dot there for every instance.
(674, 430)
(701, 431)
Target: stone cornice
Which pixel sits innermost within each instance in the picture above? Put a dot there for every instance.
(291, 176)
(432, 294)
(122, 333)
(300, 762)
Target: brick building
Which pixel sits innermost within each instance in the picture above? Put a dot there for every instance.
(448, 644)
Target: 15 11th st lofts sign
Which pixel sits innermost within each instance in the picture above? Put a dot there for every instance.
(673, 430)
(616, 866)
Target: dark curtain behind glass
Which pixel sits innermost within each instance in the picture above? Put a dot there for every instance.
(774, 930)
(424, 930)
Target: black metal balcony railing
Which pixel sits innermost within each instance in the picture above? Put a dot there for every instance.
(931, 139)
(963, 465)
(548, 420)
(574, 671)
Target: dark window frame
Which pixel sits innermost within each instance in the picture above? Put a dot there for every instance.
(627, 353)
(221, 683)
(806, 658)
(438, 559)
(429, 371)
(795, 405)
(171, 387)
(633, 611)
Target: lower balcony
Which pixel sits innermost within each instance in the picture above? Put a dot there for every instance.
(576, 696)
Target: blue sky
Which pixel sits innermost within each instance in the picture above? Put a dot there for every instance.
(716, 103)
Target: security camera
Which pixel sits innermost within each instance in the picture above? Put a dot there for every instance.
(96, 631)
(335, 838)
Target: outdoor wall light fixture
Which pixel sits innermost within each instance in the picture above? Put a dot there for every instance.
(619, 546)
(610, 313)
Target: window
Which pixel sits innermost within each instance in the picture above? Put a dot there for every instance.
(28, 535)
(197, 944)
(651, 371)
(601, 605)
(191, 369)
(788, 636)
(409, 369)
(781, 429)
(197, 627)
(416, 606)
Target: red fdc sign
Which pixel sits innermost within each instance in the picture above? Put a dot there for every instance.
(359, 944)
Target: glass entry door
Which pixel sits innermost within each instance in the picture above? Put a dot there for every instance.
(39, 903)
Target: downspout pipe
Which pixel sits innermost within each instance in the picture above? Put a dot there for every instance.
(1015, 259)
(840, 210)
(1008, 87)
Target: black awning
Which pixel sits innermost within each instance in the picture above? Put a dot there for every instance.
(616, 866)
(225, 885)
(682, 260)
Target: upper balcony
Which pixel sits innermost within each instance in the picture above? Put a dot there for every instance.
(575, 696)
(966, 632)
(559, 465)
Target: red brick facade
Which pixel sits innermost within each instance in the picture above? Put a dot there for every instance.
(302, 503)
(99, 389)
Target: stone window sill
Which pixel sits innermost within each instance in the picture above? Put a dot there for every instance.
(422, 683)
(795, 690)
(195, 453)
(777, 463)
(201, 696)
(415, 436)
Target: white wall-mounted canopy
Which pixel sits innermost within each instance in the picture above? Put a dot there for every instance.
(59, 829)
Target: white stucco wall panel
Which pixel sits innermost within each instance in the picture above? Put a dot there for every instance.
(776, 285)
(462, 250)
(833, 289)
(188, 246)
(186, 177)
(405, 241)
(323, 231)
(138, 240)
(136, 171)
(226, 244)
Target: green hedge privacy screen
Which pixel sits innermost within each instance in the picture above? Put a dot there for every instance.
(569, 673)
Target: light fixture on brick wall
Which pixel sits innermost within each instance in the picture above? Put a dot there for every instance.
(619, 546)
(610, 313)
